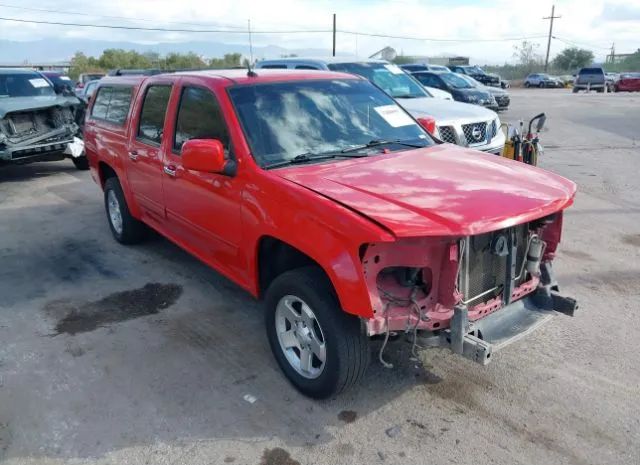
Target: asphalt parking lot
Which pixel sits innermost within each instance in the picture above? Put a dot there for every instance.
(139, 355)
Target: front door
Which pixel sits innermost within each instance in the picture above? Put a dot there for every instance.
(146, 142)
(203, 209)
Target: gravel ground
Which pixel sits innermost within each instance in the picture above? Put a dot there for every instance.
(143, 355)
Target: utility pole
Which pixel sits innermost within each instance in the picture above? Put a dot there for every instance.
(334, 34)
(552, 17)
(612, 57)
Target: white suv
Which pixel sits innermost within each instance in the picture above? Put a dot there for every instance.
(457, 123)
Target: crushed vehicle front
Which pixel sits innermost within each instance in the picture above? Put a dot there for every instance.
(35, 123)
(464, 244)
(471, 266)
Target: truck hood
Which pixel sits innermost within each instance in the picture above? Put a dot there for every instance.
(442, 190)
(446, 110)
(13, 104)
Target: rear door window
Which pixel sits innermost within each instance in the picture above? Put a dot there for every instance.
(306, 67)
(152, 115)
(112, 104)
(119, 105)
(101, 104)
(199, 117)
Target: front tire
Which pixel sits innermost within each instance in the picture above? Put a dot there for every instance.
(124, 227)
(541, 85)
(321, 349)
(527, 85)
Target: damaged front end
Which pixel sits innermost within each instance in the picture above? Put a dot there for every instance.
(473, 294)
(35, 134)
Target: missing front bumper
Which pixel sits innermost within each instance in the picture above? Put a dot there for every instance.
(479, 339)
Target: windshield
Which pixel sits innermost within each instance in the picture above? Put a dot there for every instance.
(388, 77)
(24, 85)
(472, 82)
(455, 81)
(476, 69)
(284, 120)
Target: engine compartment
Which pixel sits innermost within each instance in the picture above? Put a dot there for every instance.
(415, 283)
(39, 132)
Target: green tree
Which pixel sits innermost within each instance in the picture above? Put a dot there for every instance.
(402, 60)
(114, 58)
(183, 61)
(573, 58)
(80, 63)
(230, 60)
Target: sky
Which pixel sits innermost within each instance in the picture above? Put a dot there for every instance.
(592, 24)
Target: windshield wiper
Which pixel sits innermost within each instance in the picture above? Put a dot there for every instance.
(407, 96)
(378, 142)
(310, 157)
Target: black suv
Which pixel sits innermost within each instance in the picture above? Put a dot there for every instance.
(479, 75)
(458, 87)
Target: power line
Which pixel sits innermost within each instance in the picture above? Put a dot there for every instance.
(433, 39)
(578, 44)
(243, 31)
(161, 29)
(77, 13)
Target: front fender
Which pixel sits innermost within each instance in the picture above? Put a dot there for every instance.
(328, 233)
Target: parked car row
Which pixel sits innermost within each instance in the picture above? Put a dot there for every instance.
(326, 195)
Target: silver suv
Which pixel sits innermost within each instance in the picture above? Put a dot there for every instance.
(457, 123)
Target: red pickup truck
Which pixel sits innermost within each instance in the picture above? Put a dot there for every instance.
(316, 192)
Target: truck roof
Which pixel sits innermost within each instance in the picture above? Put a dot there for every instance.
(240, 76)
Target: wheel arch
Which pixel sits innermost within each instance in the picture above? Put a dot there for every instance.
(107, 171)
(275, 256)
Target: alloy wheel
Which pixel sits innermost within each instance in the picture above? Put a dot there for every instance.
(115, 215)
(300, 336)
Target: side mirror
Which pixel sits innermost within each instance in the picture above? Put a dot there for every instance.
(428, 123)
(206, 155)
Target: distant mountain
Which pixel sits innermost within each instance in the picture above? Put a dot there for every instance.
(57, 50)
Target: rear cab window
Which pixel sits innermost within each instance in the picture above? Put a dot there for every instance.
(153, 113)
(591, 71)
(112, 104)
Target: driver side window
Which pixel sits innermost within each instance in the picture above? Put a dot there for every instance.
(199, 117)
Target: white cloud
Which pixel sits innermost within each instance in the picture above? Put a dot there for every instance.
(595, 23)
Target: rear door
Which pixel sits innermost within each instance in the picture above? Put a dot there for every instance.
(203, 209)
(146, 144)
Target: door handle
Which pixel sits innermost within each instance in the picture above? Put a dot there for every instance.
(170, 170)
(133, 154)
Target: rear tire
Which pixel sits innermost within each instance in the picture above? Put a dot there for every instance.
(575, 90)
(303, 320)
(124, 227)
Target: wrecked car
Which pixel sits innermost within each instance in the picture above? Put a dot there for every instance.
(36, 124)
(319, 194)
